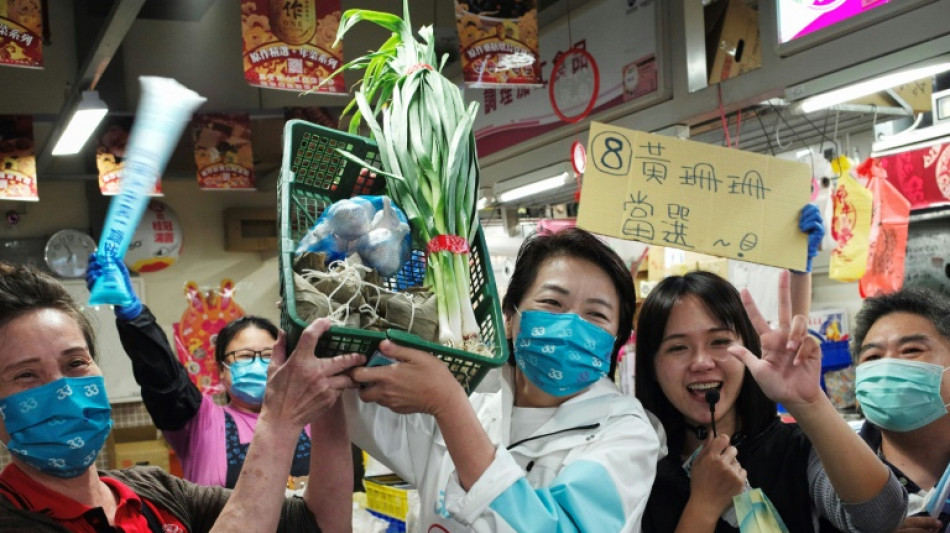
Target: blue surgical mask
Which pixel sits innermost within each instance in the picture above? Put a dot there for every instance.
(561, 353)
(60, 427)
(900, 395)
(249, 381)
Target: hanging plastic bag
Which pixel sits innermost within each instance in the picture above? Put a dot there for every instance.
(756, 514)
(851, 228)
(888, 241)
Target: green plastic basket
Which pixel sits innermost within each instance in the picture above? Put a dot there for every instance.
(314, 176)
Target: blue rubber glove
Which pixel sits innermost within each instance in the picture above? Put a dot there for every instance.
(125, 312)
(810, 223)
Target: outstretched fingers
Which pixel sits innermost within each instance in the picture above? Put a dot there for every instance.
(784, 301)
(758, 321)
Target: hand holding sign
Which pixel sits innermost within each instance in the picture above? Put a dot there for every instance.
(164, 108)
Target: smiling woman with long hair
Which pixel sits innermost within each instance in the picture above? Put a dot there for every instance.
(695, 333)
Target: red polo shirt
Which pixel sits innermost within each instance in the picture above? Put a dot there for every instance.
(25, 493)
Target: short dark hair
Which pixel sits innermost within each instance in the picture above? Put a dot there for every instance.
(581, 244)
(24, 289)
(753, 408)
(237, 325)
(932, 305)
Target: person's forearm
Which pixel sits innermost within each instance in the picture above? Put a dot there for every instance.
(255, 504)
(468, 444)
(800, 289)
(329, 494)
(855, 472)
(167, 391)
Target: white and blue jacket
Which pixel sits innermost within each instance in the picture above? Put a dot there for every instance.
(587, 469)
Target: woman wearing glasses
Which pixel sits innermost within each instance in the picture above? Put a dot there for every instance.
(210, 440)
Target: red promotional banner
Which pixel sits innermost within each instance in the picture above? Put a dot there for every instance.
(889, 220)
(499, 43)
(21, 33)
(223, 151)
(18, 170)
(922, 176)
(288, 44)
(110, 156)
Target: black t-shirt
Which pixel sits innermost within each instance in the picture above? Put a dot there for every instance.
(776, 461)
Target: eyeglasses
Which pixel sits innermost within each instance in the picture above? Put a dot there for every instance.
(246, 356)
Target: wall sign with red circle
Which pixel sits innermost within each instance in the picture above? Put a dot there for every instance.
(574, 85)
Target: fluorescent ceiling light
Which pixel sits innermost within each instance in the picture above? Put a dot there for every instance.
(530, 189)
(871, 86)
(89, 113)
(482, 203)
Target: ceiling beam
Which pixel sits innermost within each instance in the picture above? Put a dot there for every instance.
(113, 32)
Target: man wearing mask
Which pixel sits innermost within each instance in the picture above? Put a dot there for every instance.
(901, 347)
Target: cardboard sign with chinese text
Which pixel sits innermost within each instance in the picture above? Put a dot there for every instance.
(288, 44)
(694, 196)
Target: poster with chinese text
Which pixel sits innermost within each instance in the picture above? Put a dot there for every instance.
(288, 44)
(18, 173)
(21, 33)
(223, 151)
(110, 156)
(499, 42)
(694, 196)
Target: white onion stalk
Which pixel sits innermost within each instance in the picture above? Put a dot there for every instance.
(427, 148)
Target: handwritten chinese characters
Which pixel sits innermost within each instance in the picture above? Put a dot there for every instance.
(694, 196)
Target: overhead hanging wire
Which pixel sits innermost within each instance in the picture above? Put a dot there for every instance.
(725, 121)
(765, 132)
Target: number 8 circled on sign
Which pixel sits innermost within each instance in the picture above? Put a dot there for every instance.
(611, 153)
(574, 85)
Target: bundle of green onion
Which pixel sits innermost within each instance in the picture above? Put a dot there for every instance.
(427, 148)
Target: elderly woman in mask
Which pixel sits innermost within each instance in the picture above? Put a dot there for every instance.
(557, 448)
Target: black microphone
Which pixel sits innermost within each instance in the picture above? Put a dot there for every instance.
(700, 431)
(712, 398)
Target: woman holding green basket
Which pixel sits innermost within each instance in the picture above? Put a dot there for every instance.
(558, 447)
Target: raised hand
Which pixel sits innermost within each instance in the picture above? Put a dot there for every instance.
(417, 383)
(811, 224)
(94, 271)
(301, 387)
(789, 370)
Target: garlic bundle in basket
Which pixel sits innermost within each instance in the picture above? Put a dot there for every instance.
(370, 226)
